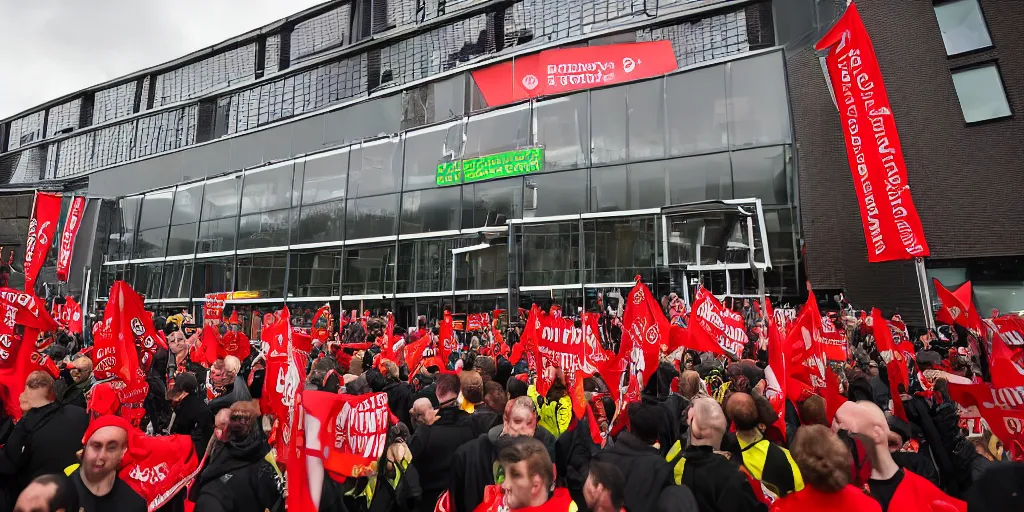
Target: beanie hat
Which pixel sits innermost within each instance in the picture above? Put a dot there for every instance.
(107, 420)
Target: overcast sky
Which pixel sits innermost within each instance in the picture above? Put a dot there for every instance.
(55, 47)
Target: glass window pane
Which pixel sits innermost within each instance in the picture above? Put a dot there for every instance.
(609, 191)
(619, 249)
(758, 105)
(698, 178)
(376, 167)
(267, 229)
(561, 193)
(321, 222)
(646, 102)
(315, 274)
(369, 217)
(324, 177)
(212, 275)
(177, 279)
(647, 185)
(563, 128)
(962, 25)
(491, 203)
(550, 254)
(156, 209)
(147, 280)
(267, 189)
(608, 125)
(981, 93)
(122, 237)
(697, 111)
(182, 239)
(369, 270)
(484, 269)
(364, 120)
(426, 211)
(761, 173)
(433, 102)
(217, 235)
(263, 273)
(425, 265)
(425, 149)
(188, 199)
(494, 132)
(220, 198)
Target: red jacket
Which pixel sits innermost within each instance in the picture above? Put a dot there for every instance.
(916, 493)
(849, 499)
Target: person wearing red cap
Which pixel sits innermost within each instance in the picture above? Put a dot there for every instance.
(99, 487)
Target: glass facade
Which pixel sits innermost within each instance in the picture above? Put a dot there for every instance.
(365, 225)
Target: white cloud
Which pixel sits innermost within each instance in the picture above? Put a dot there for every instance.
(56, 47)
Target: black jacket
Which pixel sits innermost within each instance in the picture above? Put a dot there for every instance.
(645, 468)
(192, 417)
(238, 391)
(433, 447)
(472, 466)
(45, 440)
(717, 484)
(238, 478)
(400, 400)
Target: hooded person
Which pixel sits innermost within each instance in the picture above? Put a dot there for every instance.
(400, 393)
(99, 487)
(238, 476)
(895, 488)
(226, 386)
(191, 416)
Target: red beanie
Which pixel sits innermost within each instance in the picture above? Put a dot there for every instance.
(103, 400)
(108, 420)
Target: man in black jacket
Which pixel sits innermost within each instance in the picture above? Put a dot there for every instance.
(75, 381)
(473, 465)
(634, 453)
(45, 440)
(399, 394)
(192, 417)
(433, 445)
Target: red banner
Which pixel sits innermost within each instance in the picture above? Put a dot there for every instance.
(644, 330)
(1001, 408)
(123, 320)
(67, 237)
(158, 467)
(42, 227)
(957, 307)
(1006, 361)
(892, 229)
(573, 69)
(19, 359)
(895, 363)
(446, 340)
(213, 308)
(713, 325)
(833, 340)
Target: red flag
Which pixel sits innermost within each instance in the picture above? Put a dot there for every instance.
(644, 330)
(895, 364)
(18, 356)
(388, 350)
(67, 238)
(833, 398)
(355, 432)
(775, 374)
(115, 354)
(323, 323)
(578, 396)
(213, 307)
(208, 348)
(414, 353)
(446, 342)
(833, 341)
(1001, 408)
(892, 228)
(303, 492)
(158, 467)
(957, 307)
(1006, 361)
(41, 229)
(807, 361)
(713, 328)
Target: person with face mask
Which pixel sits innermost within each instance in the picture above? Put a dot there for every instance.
(529, 479)
(473, 465)
(99, 487)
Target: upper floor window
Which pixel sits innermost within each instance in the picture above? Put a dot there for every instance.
(962, 25)
(981, 93)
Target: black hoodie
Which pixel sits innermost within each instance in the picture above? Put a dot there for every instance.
(238, 477)
(646, 470)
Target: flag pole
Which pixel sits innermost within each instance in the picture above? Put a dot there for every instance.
(922, 287)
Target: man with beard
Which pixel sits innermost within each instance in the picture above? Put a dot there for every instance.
(529, 483)
(75, 381)
(99, 487)
(473, 465)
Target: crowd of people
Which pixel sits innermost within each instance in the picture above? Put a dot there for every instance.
(477, 432)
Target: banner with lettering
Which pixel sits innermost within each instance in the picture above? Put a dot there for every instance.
(1006, 362)
(213, 308)
(714, 325)
(41, 229)
(447, 342)
(17, 358)
(833, 340)
(895, 362)
(892, 229)
(1001, 408)
(67, 237)
(353, 430)
(573, 69)
(158, 467)
(644, 330)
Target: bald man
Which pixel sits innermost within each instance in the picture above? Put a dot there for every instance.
(895, 488)
(422, 412)
(76, 381)
(99, 487)
(48, 493)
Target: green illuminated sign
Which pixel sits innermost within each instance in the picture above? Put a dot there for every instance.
(501, 165)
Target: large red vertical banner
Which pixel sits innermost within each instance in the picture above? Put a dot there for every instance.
(42, 227)
(892, 228)
(67, 237)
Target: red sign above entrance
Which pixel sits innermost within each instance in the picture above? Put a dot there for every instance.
(573, 69)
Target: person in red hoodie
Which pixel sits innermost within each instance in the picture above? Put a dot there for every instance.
(896, 489)
(824, 462)
(529, 484)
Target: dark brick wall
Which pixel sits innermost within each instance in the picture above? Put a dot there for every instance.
(967, 181)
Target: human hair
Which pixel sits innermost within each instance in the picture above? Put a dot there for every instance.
(708, 420)
(533, 452)
(516, 388)
(186, 382)
(612, 479)
(472, 386)
(244, 415)
(742, 410)
(644, 420)
(65, 497)
(494, 396)
(486, 366)
(232, 365)
(447, 385)
(524, 402)
(40, 380)
(812, 411)
(690, 384)
(823, 459)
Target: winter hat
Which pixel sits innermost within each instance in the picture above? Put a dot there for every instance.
(107, 420)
